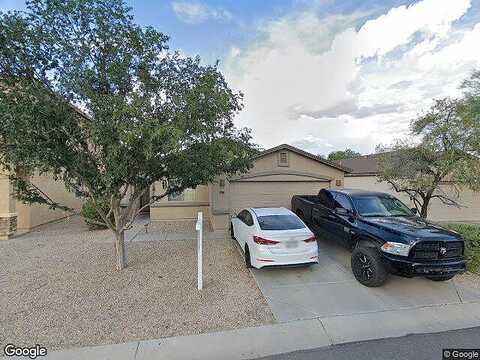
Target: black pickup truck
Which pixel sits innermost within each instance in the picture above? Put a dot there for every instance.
(384, 234)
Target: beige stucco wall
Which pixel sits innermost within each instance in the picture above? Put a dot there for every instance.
(8, 215)
(195, 200)
(296, 163)
(470, 201)
(30, 216)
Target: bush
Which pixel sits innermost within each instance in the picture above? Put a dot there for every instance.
(471, 234)
(92, 217)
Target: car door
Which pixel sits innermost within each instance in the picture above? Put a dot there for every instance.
(342, 223)
(239, 227)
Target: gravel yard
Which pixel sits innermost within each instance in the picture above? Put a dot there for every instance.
(58, 288)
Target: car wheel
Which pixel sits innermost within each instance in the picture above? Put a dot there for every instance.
(440, 278)
(367, 267)
(248, 260)
(232, 233)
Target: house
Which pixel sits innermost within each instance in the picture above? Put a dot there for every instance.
(277, 174)
(16, 217)
(363, 175)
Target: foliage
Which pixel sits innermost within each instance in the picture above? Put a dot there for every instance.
(471, 234)
(148, 114)
(92, 217)
(419, 169)
(343, 154)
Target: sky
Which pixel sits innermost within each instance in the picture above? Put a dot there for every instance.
(325, 75)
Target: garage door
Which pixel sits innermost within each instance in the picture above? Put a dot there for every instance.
(270, 194)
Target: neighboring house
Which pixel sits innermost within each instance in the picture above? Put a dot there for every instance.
(16, 217)
(277, 175)
(363, 175)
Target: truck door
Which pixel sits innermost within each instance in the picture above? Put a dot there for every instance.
(322, 214)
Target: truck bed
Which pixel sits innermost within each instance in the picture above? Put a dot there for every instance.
(309, 198)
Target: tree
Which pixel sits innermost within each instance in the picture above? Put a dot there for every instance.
(419, 169)
(343, 154)
(469, 171)
(147, 114)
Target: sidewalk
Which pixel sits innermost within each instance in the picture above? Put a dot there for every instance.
(250, 343)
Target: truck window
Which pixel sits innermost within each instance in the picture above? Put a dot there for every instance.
(342, 201)
(326, 199)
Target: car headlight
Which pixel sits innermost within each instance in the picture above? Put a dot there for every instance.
(396, 248)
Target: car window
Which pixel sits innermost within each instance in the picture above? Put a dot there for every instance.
(381, 206)
(342, 201)
(241, 215)
(326, 199)
(280, 222)
(248, 218)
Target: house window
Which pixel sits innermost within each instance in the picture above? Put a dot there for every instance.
(185, 195)
(283, 158)
(178, 196)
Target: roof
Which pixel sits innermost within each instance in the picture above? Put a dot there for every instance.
(271, 211)
(363, 165)
(303, 153)
(358, 192)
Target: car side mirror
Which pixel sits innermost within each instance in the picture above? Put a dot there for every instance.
(342, 211)
(414, 211)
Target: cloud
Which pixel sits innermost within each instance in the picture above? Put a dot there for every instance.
(347, 81)
(197, 12)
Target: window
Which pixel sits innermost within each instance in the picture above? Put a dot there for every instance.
(381, 206)
(342, 201)
(283, 158)
(280, 222)
(177, 196)
(185, 195)
(248, 219)
(326, 198)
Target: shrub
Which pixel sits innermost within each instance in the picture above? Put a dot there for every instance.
(92, 217)
(471, 234)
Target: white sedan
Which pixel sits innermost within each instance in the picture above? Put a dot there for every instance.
(273, 236)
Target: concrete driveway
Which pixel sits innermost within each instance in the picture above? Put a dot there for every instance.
(330, 289)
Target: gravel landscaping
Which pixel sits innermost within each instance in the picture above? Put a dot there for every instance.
(58, 288)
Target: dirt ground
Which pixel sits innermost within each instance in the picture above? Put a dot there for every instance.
(58, 288)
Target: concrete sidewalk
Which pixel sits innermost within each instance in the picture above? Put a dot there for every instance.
(250, 343)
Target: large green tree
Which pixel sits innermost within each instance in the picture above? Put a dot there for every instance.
(103, 105)
(343, 154)
(418, 169)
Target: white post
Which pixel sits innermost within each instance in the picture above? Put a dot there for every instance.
(199, 228)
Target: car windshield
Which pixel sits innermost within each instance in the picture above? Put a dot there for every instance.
(280, 222)
(381, 206)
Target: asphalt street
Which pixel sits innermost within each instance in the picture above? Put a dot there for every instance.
(415, 347)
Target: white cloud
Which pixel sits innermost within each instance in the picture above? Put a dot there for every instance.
(322, 79)
(197, 12)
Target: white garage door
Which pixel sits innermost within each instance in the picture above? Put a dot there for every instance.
(270, 194)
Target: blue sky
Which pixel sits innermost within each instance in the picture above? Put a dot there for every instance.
(325, 74)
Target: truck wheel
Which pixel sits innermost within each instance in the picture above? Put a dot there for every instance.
(441, 278)
(367, 267)
(248, 261)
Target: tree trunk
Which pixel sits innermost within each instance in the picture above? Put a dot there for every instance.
(121, 262)
(424, 210)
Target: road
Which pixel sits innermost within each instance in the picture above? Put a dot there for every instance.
(415, 347)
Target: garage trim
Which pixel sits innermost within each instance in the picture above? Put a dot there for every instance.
(315, 177)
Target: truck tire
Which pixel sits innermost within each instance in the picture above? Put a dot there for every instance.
(441, 278)
(367, 267)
